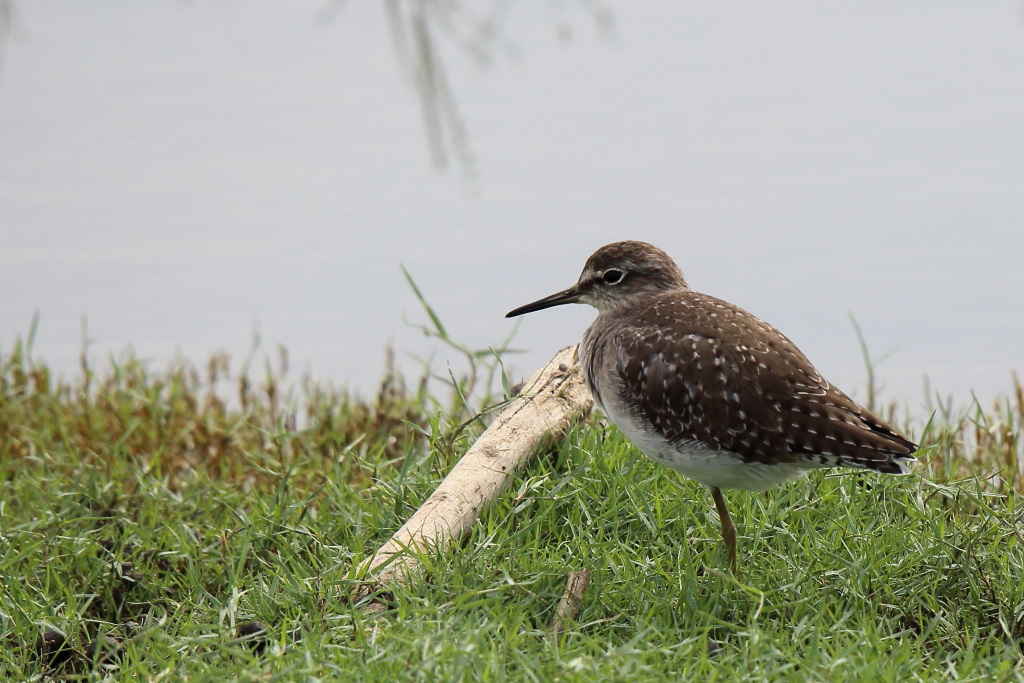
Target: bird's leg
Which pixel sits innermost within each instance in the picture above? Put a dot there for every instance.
(728, 530)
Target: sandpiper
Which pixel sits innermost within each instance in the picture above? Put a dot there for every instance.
(706, 388)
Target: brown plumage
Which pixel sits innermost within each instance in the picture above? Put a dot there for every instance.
(699, 369)
(708, 389)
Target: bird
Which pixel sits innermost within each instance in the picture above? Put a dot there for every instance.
(708, 389)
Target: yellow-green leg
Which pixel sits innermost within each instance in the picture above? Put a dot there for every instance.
(728, 530)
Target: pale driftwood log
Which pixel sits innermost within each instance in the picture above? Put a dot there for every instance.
(550, 402)
(569, 606)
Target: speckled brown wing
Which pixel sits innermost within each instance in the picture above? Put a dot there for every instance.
(700, 369)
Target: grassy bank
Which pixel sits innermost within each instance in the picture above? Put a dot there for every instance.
(197, 523)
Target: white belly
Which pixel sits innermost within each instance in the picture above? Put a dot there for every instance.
(720, 469)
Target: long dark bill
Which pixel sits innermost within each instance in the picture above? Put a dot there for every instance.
(569, 296)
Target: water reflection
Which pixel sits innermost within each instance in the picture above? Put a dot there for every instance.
(415, 27)
(7, 23)
(159, 154)
(419, 31)
(420, 28)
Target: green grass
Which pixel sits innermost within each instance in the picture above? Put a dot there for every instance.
(140, 510)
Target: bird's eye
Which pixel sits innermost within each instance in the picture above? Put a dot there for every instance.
(612, 276)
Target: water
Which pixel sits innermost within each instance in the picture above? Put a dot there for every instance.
(182, 173)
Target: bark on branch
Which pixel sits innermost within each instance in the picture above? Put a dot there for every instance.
(550, 402)
(568, 608)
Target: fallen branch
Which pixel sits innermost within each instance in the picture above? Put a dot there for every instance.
(550, 402)
(569, 606)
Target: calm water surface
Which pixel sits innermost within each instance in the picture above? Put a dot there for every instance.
(182, 173)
